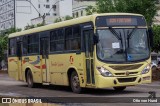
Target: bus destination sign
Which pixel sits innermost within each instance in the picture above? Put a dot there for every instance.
(120, 20)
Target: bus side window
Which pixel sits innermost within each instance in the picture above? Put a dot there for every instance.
(53, 36)
(12, 46)
(73, 39)
(25, 45)
(33, 43)
(57, 40)
(68, 38)
(76, 38)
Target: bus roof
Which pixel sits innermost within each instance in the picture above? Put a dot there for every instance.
(66, 23)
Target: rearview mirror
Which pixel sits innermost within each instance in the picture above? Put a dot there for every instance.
(95, 39)
(150, 32)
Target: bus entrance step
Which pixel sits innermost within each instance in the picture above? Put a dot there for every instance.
(45, 83)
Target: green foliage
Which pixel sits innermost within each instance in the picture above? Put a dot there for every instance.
(156, 38)
(105, 6)
(90, 10)
(29, 27)
(58, 20)
(4, 40)
(144, 7)
(33, 26)
(68, 17)
(39, 25)
(3, 45)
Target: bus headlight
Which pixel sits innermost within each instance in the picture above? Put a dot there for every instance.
(104, 72)
(146, 69)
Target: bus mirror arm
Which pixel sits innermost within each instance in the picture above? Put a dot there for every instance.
(150, 32)
(95, 39)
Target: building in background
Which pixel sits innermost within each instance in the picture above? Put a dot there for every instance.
(79, 7)
(53, 9)
(20, 13)
(25, 11)
(7, 14)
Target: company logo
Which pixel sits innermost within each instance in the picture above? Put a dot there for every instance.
(71, 59)
(127, 73)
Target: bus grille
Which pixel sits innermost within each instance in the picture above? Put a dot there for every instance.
(122, 80)
(130, 73)
(126, 67)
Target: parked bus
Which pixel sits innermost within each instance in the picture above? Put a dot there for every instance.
(96, 51)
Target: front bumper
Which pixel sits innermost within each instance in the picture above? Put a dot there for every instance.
(104, 82)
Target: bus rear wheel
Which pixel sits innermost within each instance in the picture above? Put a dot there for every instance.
(119, 88)
(75, 83)
(30, 82)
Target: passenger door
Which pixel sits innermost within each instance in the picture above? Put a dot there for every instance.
(44, 45)
(88, 44)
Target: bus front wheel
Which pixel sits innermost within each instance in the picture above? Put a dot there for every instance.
(119, 88)
(30, 79)
(75, 83)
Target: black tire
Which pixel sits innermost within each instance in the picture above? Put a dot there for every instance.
(119, 88)
(75, 83)
(154, 68)
(30, 82)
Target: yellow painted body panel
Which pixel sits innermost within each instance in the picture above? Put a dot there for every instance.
(33, 66)
(13, 69)
(60, 64)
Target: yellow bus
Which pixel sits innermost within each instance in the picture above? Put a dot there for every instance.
(96, 51)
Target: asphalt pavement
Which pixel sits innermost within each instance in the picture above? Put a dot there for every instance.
(11, 88)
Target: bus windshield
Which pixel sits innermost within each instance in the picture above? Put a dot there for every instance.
(122, 45)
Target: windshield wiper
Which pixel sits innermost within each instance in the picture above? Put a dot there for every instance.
(129, 35)
(118, 36)
(115, 33)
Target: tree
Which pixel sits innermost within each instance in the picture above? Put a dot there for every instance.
(144, 7)
(67, 17)
(3, 46)
(33, 26)
(90, 10)
(58, 20)
(39, 25)
(105, 6)
(156, 38)
(4, 40)
(29, 27)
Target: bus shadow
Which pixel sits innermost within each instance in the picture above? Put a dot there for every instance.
(88, 91)
(51, 87)
(109, 91)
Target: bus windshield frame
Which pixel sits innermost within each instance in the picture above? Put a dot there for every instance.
(122, 38)
(123, 45)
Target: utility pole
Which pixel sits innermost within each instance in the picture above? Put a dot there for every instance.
(34, 7)
(42, 16)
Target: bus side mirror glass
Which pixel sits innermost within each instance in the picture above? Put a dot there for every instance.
(150, 31)
(95, 39)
